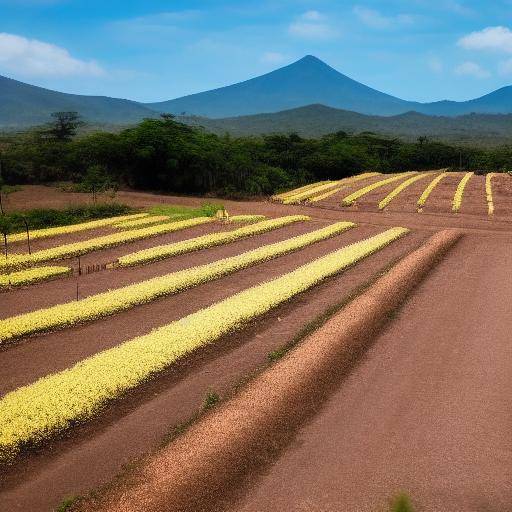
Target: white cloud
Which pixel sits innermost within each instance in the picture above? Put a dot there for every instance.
(30, 57)
(311, 25)
(469, 68)
(435, 64)
(505, 67)
(490, 38)
(375, 19)
(273, 58)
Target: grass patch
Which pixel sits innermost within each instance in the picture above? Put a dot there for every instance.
(401, 503)
(186, 212)
(48, 217)
(66, 504)
(211, 399)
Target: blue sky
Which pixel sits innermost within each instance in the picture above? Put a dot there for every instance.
(153, 50)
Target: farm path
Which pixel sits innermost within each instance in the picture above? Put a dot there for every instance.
(428, 411)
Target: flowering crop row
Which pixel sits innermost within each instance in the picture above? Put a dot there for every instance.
(430, 187)
(113, 301)
(161, 252)
(32, 275)
(328, 189)
(247, 218)
(352, 198)
(457, 198)
(325, 195)
(73, 228)
(297, 198)
(94, 244)
(488, 192)
(37, 411)
(280, 197)
(396, 191)
(140, 223)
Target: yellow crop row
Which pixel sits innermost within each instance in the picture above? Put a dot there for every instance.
(297, 198)
(283, 195)
(396, 191)
(37, 411)
(32, 275)
(73, 228)
(15, 261)
(113, 301)
(488, 192)
(344, 183)
(457, 198)
(315, 194)
(352, 198)
(430, 187)
(140, 223)
(325, 195)
(246, 218)
(161, 252)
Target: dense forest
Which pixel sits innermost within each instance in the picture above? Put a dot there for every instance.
(166, 155)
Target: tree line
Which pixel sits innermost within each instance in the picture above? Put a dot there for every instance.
(166, 155)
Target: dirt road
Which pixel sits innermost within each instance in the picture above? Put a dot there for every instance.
(429, 410)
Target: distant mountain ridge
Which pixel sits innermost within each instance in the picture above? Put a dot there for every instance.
(305, 82)
(310, 81)
(318, 120)
(23, 105)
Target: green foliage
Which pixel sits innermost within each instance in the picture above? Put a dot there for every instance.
(185, 212)
(46, 218)
(168, 156)
(401, 503)
(210, 400)
(66, 504)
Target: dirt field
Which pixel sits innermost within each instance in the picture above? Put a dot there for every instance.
(426, 410)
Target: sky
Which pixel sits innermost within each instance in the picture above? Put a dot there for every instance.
(424, 50)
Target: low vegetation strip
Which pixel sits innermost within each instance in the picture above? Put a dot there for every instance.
(15, 261)
(145, 221)
(352, 198)
(35, 412)
(297, 198)
(203, 242)
(32, 275)
(457, 198)
(246, 218)
(325, 195)
(430, 187)
(488, 192)
(243, 433)
(279, 197)
(120, 299)
(398, 190)
(73, 228)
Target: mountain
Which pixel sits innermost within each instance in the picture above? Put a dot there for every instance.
(310, 81)
(305, 82)
(318, 120)
(24, 105)
(496, 102)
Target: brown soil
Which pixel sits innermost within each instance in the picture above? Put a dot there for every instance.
(132, 427)
(93, 453)
(426, 412)
(202, 467)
